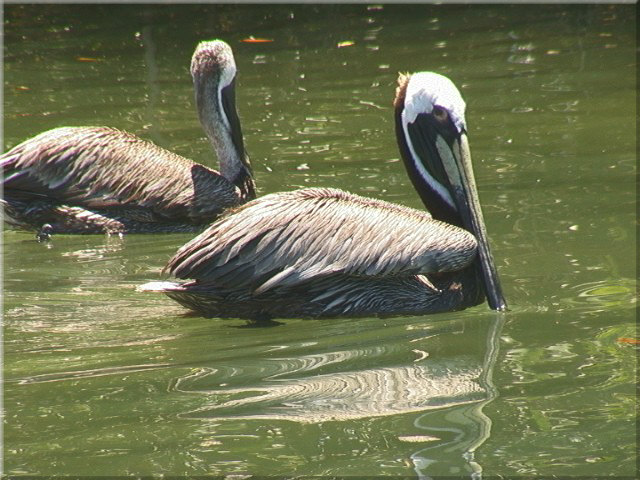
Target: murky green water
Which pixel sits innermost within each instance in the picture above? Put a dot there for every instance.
(99, 379)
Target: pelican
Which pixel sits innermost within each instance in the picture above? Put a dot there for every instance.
(322, 252)
(100, 179)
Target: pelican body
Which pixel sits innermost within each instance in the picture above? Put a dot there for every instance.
(328, 253)
(101, 179)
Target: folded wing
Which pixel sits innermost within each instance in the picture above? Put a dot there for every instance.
(101, 167)
(285, 239)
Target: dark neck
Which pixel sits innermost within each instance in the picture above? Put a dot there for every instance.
(439, 209)
(225, 136)
(243, 179)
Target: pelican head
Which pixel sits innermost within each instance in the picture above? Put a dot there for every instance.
(432, 135)
(213, 70)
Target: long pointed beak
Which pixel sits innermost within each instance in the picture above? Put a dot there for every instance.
(228, 97)
(460, 173)
(244, 180)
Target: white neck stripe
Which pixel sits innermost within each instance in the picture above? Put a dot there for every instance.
(223, 112)
(422, 171)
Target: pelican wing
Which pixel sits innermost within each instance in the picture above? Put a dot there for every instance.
(98, 167)
(284, 239)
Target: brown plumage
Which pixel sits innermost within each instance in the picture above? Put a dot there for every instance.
(325, 252)
(100, 179)
(300, 254)
(284, 239)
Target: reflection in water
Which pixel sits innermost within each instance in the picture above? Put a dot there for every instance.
(559, 196)
(341, 395)
(112, 244)
(95, 372)
(448, 392)
(475, 425)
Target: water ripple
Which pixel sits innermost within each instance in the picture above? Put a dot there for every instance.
(339, 396)
(599, 295)
(94, 372)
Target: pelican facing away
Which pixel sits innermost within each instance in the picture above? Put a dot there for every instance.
(100, 179)
(320, 252)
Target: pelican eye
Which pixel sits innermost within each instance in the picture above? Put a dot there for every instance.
(440, 114)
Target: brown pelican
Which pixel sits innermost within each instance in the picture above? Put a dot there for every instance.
(320, 252)
(100, 179)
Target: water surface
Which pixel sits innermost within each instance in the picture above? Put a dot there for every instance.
(100, 379)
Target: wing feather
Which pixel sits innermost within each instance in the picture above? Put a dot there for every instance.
(97, 167)
(288, 238)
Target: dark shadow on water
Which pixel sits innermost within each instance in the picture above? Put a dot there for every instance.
(263, 323)
(260, 324)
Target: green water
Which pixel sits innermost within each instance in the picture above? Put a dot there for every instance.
(102, 380)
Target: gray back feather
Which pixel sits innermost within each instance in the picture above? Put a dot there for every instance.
(100, 167)
(284, 239)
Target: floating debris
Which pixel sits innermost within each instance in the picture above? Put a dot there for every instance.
(252, 39)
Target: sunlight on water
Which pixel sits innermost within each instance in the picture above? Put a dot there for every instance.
(102, 378)
(338, 397)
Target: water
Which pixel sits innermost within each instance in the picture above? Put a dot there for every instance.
(100, 379)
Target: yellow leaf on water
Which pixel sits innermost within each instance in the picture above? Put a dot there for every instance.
(252, 39)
